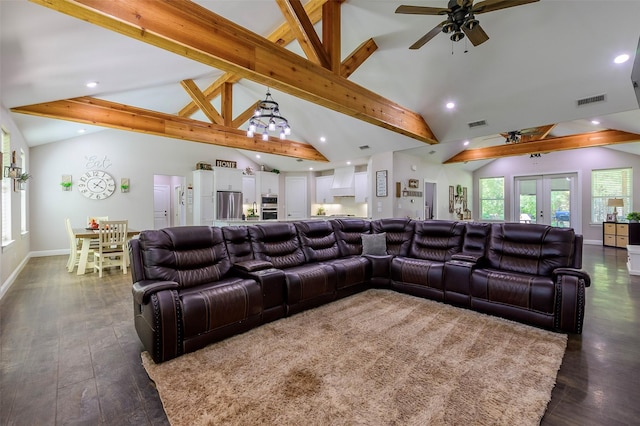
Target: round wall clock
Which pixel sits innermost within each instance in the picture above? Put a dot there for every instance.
(96, 185)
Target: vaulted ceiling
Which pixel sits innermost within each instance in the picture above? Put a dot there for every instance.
(342, 71)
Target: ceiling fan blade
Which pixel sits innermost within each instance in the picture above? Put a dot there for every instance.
(428, 36)
(477, 35)
(422, 10)
(491, 5)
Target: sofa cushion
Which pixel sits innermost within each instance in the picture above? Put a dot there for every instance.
(436, 240)
(188, 255)
(318, 240)
(238, 243)
(399, 233)
(426, 273)
(349, 235)
(374, 244)
(536, 293)
(530, 248)
(277, 243)
(209, 307)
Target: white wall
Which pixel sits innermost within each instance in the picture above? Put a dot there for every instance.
(123, 155)
(442, 175)
(580, 161)
(13, 256)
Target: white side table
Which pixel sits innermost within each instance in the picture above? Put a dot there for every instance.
(633, 263)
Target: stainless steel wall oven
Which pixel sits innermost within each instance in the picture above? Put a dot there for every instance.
(269, 207)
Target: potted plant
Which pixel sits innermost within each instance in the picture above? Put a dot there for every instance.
(23, 177)
(124, 187)
(251, 214)
(633, 217)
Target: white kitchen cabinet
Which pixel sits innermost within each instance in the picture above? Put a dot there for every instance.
(203, 197)
(323, 189)
(361, 184)
(228, 179)
(267, 183)
(249, 190)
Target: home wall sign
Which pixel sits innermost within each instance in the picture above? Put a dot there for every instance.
(226, 163)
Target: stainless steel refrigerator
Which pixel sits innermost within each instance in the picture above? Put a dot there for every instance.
(229, 205)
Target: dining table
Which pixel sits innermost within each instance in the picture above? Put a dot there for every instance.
(86, 235)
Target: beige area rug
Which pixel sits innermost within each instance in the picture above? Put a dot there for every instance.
(376, 358)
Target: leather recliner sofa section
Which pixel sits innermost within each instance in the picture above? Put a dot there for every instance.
(196, 285)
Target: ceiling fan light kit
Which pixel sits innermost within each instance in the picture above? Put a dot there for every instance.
(461, 19)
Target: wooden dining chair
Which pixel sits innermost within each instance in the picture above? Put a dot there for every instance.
(75, 247)
(112, 247)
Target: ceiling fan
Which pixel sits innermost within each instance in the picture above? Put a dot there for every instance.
(460, 19)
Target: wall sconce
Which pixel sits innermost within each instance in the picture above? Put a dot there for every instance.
(124, 184)
(65, 183)
(12, 171)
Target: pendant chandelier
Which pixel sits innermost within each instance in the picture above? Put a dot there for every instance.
(267, 119)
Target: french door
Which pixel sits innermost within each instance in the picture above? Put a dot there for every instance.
(547, 199)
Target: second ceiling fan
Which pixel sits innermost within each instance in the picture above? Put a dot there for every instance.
(460, 19)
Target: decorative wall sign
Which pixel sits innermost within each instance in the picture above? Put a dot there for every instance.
(226, 163)
(464, 199)
(451, 199)
(381, 183)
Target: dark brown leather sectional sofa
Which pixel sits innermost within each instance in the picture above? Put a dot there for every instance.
(196, 285)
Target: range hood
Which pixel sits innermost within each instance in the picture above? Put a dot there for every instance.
(343, 182)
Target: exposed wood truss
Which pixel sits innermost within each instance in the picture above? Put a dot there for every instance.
(117, 116)
(195, 32)
(583, 140)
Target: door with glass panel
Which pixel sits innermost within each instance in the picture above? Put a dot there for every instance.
(547, 199)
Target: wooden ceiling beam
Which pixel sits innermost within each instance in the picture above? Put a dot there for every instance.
(281, 36)
(583, 140)
(199, 98)
(226, 104)
(357, 57)
(190, 30)
(331, 33)
(302, 28)
(209, 93)
(123, 117)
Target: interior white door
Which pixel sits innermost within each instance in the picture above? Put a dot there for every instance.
(161, 206)
(296, 197)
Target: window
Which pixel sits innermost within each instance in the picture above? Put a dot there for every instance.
(492, 198)
(606, 184)
(6, 189)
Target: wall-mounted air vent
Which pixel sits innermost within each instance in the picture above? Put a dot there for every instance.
(477, 123)
(364, 147)
(299, 160)
(591, 100)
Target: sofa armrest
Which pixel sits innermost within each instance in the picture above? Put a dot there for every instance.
(142, 290)
(467, 258)
(253, 265)
(575, 273)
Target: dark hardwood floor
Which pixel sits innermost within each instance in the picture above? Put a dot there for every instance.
(70, 354)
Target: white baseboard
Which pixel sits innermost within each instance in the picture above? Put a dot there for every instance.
(592, 242)
(44, 253)
(4, 288)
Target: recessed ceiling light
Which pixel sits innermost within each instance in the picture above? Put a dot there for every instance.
(81, 130)
(310, 168)
(451, 105)
(621, 59)
(466, 143)
(595, 122)
(323, 139)
(257, 155)
(92, 84)
(348, 163)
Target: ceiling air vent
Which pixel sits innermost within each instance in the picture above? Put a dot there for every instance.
(591, 100)
(299, 160)
(477, 123)
(364, 147)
